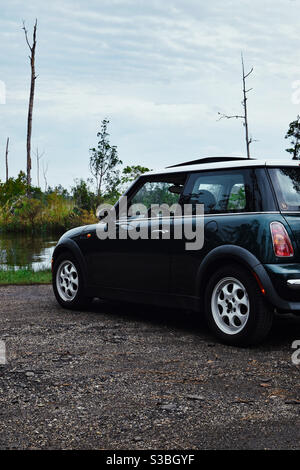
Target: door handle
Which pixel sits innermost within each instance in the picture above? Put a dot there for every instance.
(160, 231)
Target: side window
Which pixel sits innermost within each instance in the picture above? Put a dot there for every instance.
(237, 197)
(157, 193)
(221, 191)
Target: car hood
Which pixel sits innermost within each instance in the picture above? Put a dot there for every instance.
(74, 232)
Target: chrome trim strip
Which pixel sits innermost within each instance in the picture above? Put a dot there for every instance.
(291, 212)
(242, 213)
(189, 216)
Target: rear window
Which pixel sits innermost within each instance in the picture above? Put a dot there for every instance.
(286, 182)
(225, 191)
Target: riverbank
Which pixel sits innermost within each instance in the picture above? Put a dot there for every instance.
(25, 277)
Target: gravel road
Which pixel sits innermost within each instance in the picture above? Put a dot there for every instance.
(132, 377)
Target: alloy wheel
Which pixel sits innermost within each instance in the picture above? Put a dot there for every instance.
(230, 305)
(67, 281)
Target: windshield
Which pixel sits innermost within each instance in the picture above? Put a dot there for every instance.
(286, 183)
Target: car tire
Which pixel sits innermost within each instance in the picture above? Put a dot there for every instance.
(235, 308)
(67, 282)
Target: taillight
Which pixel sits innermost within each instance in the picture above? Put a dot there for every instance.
(281, 241)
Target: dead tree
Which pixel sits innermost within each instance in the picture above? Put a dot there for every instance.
(38, 158)
(32, 48)
(244, 104)
(45, 170)
(6, 158)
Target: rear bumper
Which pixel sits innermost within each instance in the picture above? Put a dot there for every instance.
(282, 285)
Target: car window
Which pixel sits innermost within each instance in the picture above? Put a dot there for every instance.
(286, 182)
(222, 191)
(237, 197)
(157, 193)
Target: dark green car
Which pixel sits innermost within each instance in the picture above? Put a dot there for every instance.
(246, 267)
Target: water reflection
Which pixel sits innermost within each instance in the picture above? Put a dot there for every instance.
(26, 251)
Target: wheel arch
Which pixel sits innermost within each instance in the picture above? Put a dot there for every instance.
(71, 246)
(218, 257)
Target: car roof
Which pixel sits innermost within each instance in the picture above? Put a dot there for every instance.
(223, 163)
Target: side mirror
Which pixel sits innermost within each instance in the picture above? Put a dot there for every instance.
(175, 189)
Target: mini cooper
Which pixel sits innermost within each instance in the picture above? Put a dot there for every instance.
(246, 268)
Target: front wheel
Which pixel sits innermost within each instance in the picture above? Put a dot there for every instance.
(67, 281)
(235, 308)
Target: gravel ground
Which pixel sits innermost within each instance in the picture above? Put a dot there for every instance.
(131, 377)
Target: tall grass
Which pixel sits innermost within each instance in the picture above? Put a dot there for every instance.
(25, 276)
(51, 214)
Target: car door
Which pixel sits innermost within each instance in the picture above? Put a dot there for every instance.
(138, 259)
(225, 195)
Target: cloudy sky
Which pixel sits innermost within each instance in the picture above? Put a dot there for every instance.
(160, 71)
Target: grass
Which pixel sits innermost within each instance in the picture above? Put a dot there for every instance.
(25, 276)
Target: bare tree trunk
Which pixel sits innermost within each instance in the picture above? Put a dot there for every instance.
(38, 158)
(45, 170)
(31, 97)
(248, 141)
(244, 103)
(38, 168)
(6, 158)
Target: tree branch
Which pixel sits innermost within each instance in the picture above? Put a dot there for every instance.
(26, 37)
(223, 116)
(247, 75)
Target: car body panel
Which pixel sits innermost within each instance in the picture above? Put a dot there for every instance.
(163, 272)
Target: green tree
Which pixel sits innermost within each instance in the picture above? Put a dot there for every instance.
(131, 173)
(13, 188)
(293, 133)
(104, 163)
(59, 190)
(84, 198)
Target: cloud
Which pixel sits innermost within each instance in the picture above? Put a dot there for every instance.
(160, 71)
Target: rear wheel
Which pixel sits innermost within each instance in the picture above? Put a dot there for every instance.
(235, 308)
(67, 281)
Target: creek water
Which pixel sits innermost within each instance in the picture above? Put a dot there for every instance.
(25, 251)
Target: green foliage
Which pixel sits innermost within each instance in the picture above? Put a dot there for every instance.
(104, 163)
(60, 190)
(131, 173)
(293, 133)
(28, 210)
(25, 276)
(46, 212)
(237, 199)
(155, 193)
(83, 197)
(13, 188)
